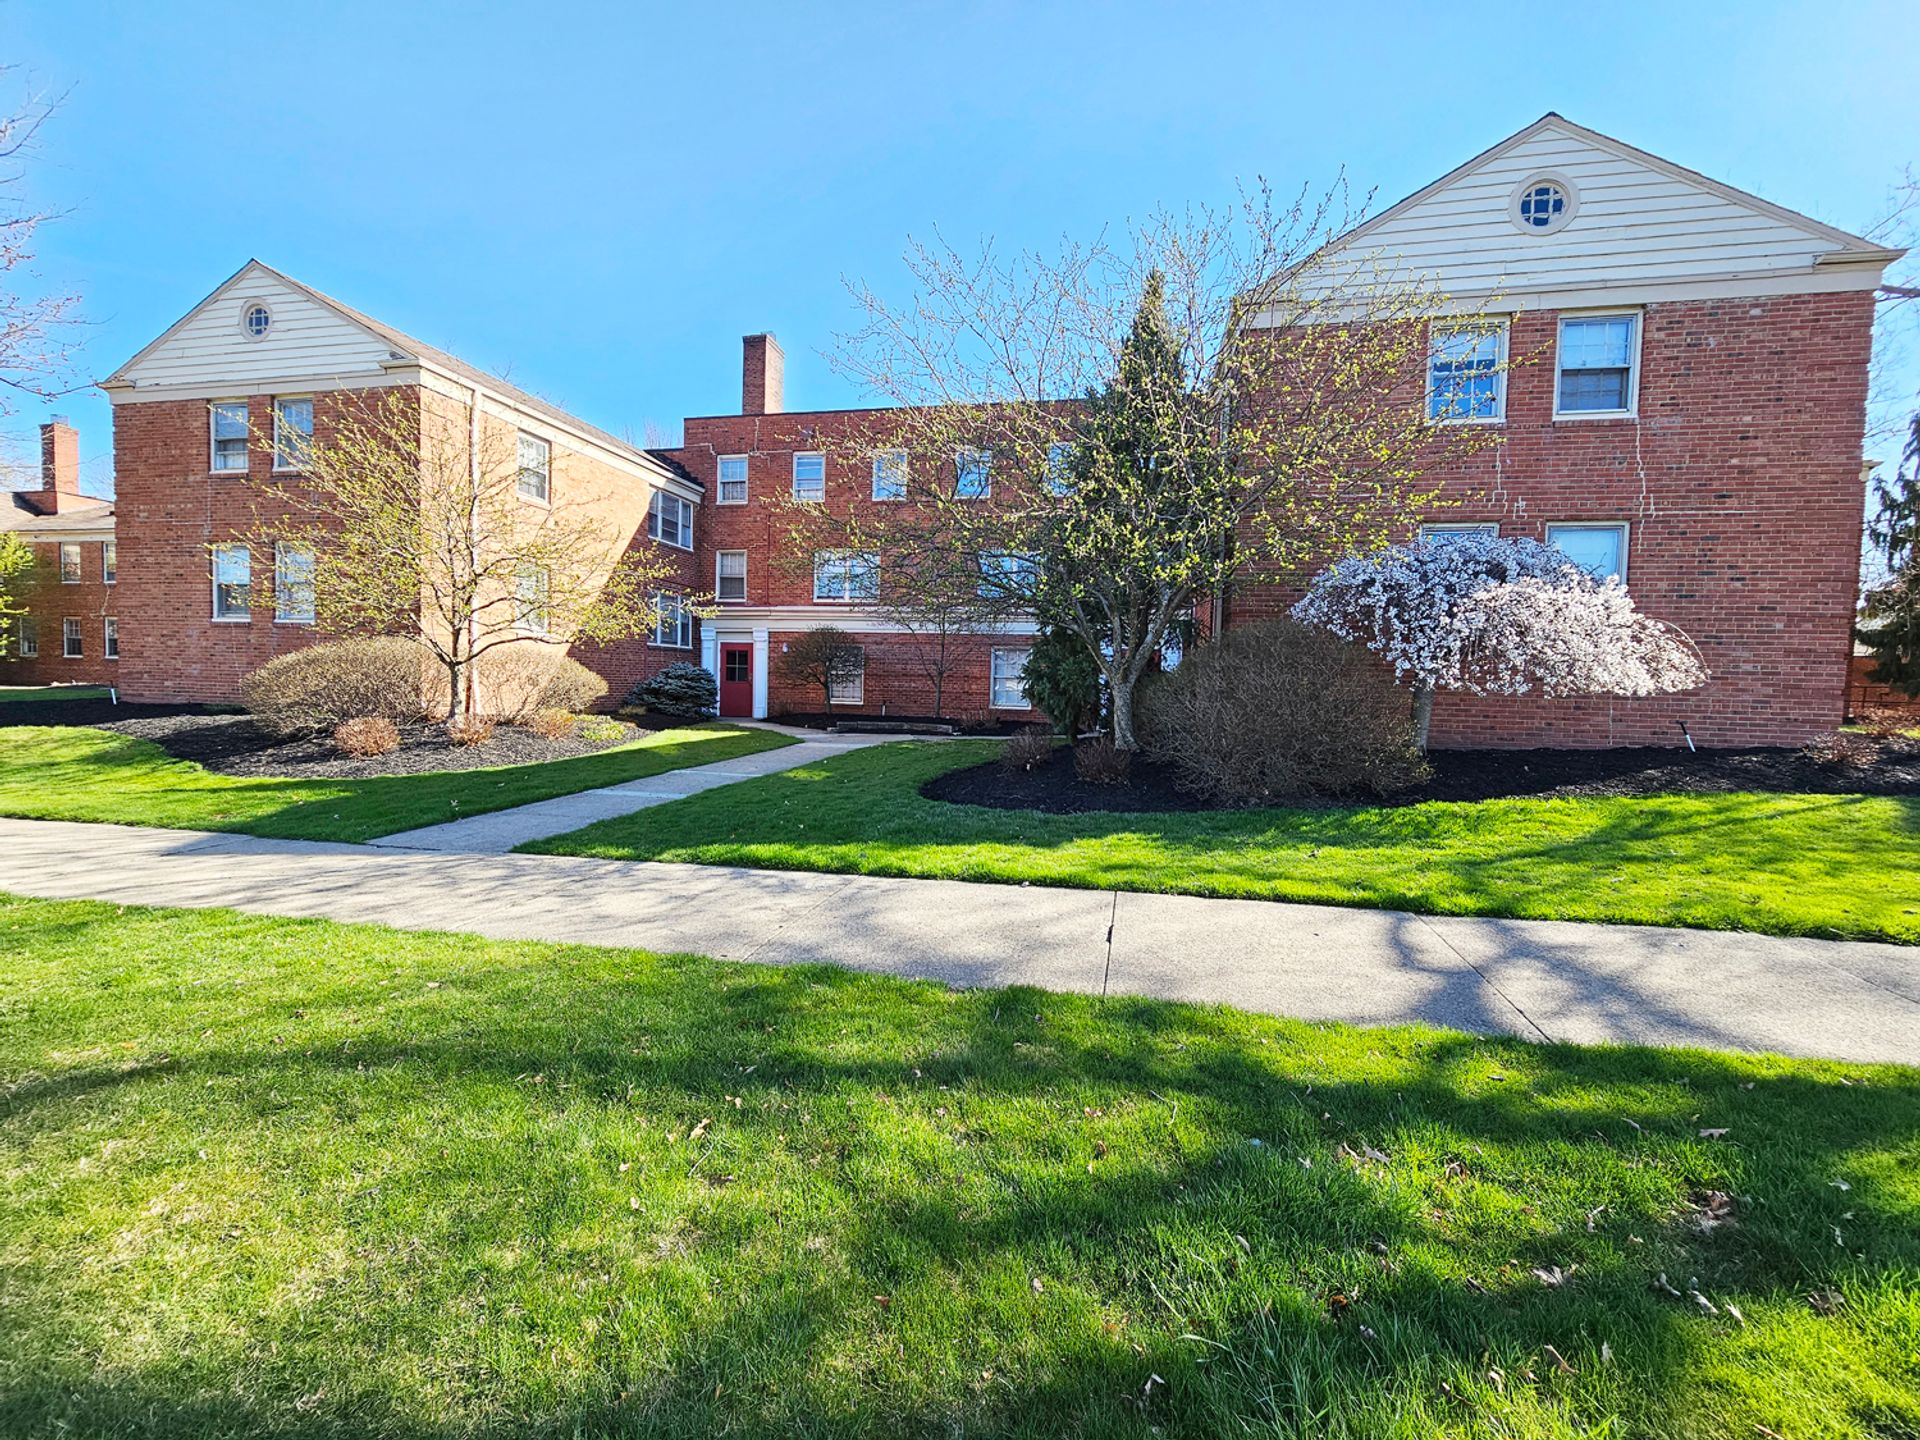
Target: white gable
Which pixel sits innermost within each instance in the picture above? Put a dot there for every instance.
(307, 342)
(1641, 225)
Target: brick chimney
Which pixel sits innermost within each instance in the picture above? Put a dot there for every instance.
(763, 376)
(59, 470)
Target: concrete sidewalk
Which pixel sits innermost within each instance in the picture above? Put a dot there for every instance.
(502, 830)
(1538, 979)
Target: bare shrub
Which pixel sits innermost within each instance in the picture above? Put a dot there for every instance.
(465, 730)
(1101, 762)
(310, 691)
(366, 735)
(515, 681)
(1887, 721)
(1028, 748)
(552, 724)
(1281, 709)
(1845, 750)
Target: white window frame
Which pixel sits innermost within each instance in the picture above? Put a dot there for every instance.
(73, 639)
(993, 569)
(214, 407)
(109, 562)
(843, 560)
(994, 679)
(532, 600)
(683, 523)
(721, 482)
(672, 608)
(891, 466)
(982, 454)
(1624, 527)
(840, 693)
(27, 633)
(1638, 317)
(282, 552)
(110, 637)
(1501, 328)
(75, 573)
(1461, 527)
(245, 616)
(284, 460)
(720, 578)
(810, 498)
(526, 446)
(1059, 464)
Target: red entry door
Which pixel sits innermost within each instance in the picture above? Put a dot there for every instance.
(736, 680)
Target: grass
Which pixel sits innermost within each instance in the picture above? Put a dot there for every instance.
(52, 692)
(73, 773)
(266, 1176)
(1825, 865)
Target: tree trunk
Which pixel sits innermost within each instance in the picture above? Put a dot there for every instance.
(1121, 693)
(1422, 715)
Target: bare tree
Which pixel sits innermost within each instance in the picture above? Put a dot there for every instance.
(823, 657)
(410, 515)
(35, 321)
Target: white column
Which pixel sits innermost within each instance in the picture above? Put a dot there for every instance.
(759, 674)
(710, 651)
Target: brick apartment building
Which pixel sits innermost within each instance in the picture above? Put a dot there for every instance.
(1684, 407)
(70, 634)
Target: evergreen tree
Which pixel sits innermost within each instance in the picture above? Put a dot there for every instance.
(1890, 615)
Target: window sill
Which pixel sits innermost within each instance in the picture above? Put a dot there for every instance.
(1560, 415)
(662, 645)
(232, 620)
(305, 624)
(1440, 422)
(729, 502)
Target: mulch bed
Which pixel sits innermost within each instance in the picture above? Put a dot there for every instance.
(94, 712)
(234, 745)
(1871, 767)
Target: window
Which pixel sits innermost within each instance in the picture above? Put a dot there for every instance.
(536, 468)
(972, 479)
(229, 436)
(672, 622)
(845, 575)
(232, 583)
(532, 589)
(112, 648)
(733, 480)
(292, 431)
(1007, 576)
(1600, 550)
(1008, 681)
(29, 634)
(848, 684)
(1597, 355)
(736, 666)
(1465, 378)
(890, 475)
(1443, 533)
(70, 562)
(293, 584)
(1544, 204)
(109, 562)
(809, 477)
(1060, 467)
(730, 575)
(256, 320)
(670, 520)
(71, 645)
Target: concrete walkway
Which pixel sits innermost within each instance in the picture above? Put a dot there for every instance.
(502, 830)
(1538, 979)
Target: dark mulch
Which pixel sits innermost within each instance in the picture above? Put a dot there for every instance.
(95, 712)
(986, 729)
(234, 745)
(1870, 767)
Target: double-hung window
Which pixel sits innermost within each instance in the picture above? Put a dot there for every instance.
(1008, 681)
(973, 474)
(70, 562)
(672, 622)
(536, 468)
(670, 520)
(1007, 576)
(1460, 530)
(111, 635)
(1059, 467)
(532, 592)
(733, 480)
(845, 575)
(1466, 378)
(890, 475)
(292, 431)
(27, 631)
(229, 439)
(847, 684)
(72, 647)
(1598, 548)
(1598, 366)
(109, 562)
(232, 583)
(730, 575)
(809, 476)
(293, 584)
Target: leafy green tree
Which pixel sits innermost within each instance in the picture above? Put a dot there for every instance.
(16, 565)
(1890, 611)
(1063, 682)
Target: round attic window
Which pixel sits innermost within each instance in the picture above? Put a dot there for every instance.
(255, 319)
(1543, 205)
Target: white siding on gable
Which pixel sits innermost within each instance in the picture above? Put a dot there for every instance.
(306, 341)
(1636, 225)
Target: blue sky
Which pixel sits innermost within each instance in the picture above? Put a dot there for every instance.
(601, 199)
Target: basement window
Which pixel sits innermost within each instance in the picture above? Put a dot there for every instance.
(1598, 549)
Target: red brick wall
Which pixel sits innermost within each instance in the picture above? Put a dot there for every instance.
(1865, 693)
(898, 681)
(49, 603)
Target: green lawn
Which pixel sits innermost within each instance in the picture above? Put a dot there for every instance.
(1789, 864)
(72, 773)
(52, 692)
(291, 1178)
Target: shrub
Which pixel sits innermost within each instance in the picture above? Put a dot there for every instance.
(681, 689)
(311, 691)
(1028, 748)
(514, 681)
(465, 730)
(1063, 682)
(1101, 762)
(552, 724)
(366, 735)
(1887, 721)
(602, 731)
(1281, 709)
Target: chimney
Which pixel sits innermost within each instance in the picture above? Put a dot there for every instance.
(763, 376)
(59, 468)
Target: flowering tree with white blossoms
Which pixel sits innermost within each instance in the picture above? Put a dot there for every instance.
(1497, 617)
